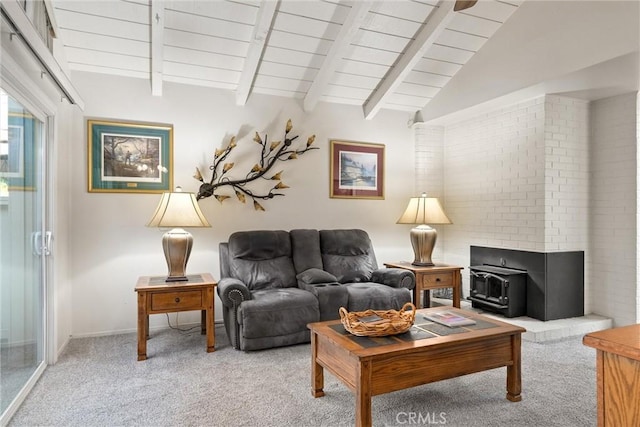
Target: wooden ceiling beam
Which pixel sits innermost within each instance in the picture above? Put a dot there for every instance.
(356, 18)
(424, 39)
(259, 38)
(157, 47)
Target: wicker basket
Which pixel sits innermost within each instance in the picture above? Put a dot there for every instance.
(392, 322)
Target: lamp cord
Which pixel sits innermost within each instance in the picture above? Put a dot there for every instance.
(182, 331)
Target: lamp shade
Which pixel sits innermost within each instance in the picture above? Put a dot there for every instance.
(424, 210)
(178, 210)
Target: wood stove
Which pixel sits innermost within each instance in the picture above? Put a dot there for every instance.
(554, 281)
(499, 290)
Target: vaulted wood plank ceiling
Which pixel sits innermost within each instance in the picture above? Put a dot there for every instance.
(392, 54)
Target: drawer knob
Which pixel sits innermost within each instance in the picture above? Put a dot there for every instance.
(177, 299)
(437, 279)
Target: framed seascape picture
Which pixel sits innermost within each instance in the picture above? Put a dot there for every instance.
(129, 157)
(357, 170)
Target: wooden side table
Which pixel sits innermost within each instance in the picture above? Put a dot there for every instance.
(438, 276)
(617, 374)
(156, 296)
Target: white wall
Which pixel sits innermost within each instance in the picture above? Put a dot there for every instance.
(110, 245)
(613, 213)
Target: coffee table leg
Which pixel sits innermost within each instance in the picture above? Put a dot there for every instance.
(514, 380)
(363, 395)
(317, 371)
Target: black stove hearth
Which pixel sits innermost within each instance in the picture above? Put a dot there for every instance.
(553, 285)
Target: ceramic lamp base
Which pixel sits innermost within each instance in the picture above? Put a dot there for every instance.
(423, 240)
(177, 244)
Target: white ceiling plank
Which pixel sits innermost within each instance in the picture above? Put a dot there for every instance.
(303, 25)
(347, 92)
(341, 100)
(289, 71)
(108, 60)
(362, 69)
(405, 9)
(199, 82)
(201, 73)
(157, 43)
(67, 12)
(382, 41)
(448, 54)
(101, 25)
(474, 25)
(351, 80)
(427, 35)
(426, 79)
(228, 10)
(414, 89)
(104, 43)
(207, 59)
(373, 56)
(259, 38)
(299, 42)
(391, 25)
(208, 26)
(355, 19)
(280, 83)
(277, 92)
(205, 43)
(461, 40)
(113, 70)
(286, 56)
(317, 10)
(494, 10)
(437, 67)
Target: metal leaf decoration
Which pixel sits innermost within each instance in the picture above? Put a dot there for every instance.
(271, 153)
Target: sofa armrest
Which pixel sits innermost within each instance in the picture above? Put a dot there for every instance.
(394, 277)
(232, 292)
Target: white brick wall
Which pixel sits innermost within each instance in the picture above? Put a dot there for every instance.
(612, 262)
(517, 178)
(566, 141)
(429, 164)
(494, 179)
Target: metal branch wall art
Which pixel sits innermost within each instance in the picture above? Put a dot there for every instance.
(271, 153)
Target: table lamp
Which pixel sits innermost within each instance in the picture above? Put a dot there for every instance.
(177, 210)
(423, 210)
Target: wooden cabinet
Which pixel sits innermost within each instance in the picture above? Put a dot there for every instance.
(437, 276)
(617, 374)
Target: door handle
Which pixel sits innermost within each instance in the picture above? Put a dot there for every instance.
(46, 248)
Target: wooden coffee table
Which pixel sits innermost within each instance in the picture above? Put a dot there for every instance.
(427, 353)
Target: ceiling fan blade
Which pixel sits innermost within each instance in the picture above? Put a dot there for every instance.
(463, 4)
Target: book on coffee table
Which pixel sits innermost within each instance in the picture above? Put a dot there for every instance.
(448, 318)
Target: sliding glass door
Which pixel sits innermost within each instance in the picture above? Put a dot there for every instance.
(23, 246)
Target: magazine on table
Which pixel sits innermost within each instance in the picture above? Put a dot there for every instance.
(449, 318)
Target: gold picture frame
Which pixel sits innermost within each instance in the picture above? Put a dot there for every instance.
(129, 157)
(356, 170)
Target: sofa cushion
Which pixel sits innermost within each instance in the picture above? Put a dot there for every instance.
(277, 312)
(305, 245)
(347, 254)
(262, 259)
(312, 276)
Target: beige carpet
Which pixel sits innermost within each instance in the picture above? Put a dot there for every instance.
(98, 382)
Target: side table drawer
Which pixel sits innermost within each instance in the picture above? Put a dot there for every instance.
(434, 280)
(177, 301)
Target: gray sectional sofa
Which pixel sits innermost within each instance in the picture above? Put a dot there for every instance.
(273, 283)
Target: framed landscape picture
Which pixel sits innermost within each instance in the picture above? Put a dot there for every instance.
(357, 170)
(129, 157)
